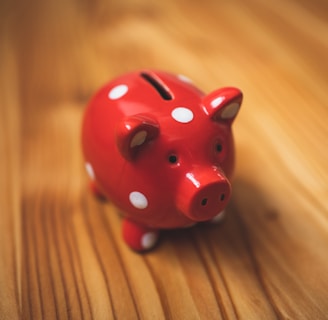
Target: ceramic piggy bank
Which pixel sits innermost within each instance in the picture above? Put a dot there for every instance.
(161, 150)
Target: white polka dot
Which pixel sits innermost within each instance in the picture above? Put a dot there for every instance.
(148, 240)
(139, 138)
(118, 92)
(230, 111)
(184, 78)
(89, 169)
(183, 115)
(138, 200)
(218, 218)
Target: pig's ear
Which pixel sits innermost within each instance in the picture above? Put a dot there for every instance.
(133, 133)
(223, 104)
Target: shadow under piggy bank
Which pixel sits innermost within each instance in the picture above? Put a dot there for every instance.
(249, 216)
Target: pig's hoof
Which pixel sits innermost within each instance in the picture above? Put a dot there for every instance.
(139, 238)
(149, 240)
(218, 218)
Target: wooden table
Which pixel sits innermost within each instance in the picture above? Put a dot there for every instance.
(61, 252)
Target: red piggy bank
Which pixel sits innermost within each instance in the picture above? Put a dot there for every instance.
(161, 150)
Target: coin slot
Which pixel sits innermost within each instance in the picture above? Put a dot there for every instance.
(158, 85)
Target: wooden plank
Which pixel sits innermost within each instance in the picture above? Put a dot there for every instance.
(61, 251)
(10, 237)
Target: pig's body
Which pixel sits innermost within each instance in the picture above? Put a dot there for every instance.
(161, 150)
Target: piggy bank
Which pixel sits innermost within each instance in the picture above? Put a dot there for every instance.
(161, 150)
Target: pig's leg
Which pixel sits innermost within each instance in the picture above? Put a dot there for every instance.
(138, 237)
(96, 192)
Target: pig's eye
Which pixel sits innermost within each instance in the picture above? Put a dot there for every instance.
(218, 147)
(173, 159)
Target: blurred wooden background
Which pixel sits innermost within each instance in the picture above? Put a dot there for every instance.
(61, 252)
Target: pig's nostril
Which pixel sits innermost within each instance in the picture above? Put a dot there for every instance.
(173, 159)
(204, 202)
(222, 197)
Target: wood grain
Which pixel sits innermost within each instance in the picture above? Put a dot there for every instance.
(61, 252)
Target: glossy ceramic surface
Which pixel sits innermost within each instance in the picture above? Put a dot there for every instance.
(161, 150)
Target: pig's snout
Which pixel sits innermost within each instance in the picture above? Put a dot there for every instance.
(203, 194)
